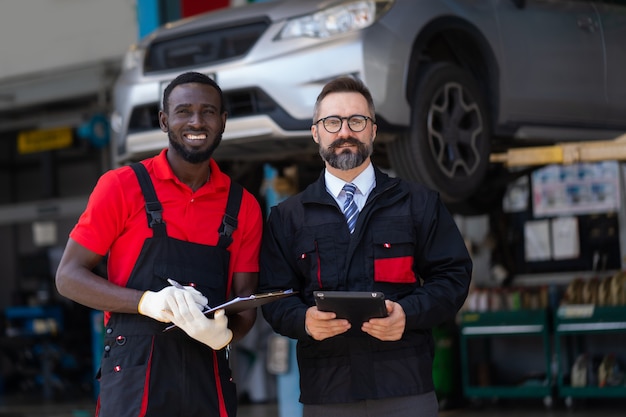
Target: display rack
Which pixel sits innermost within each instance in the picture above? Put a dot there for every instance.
(576, 324)
(502, 324)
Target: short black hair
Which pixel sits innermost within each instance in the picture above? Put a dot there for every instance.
(191, 77)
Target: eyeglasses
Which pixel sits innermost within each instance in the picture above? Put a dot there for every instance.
(356, 123)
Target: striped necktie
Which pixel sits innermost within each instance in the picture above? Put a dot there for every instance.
(350, 209)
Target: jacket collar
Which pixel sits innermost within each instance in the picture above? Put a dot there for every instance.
(316, 192)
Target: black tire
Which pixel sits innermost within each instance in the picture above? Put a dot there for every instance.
(448, 144)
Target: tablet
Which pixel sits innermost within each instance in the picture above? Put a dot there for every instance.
(355, 306)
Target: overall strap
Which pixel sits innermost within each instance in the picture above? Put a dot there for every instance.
(229, 222)
(154, 210)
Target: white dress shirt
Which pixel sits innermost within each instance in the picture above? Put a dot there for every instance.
(364, 182)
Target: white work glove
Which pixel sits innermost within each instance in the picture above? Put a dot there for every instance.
(212, 332)
(157, 304)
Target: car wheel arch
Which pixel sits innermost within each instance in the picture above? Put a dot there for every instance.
(456, 42)
(460, 42)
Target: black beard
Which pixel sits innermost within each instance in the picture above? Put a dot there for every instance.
(191, 156)
(346, 160)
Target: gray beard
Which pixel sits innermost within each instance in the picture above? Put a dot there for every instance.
(346, 159)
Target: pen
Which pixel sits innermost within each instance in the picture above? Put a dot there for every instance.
(175, 284)
(180, 287)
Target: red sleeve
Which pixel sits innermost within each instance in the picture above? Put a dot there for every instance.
(245, 255)
(103, 218)
(114, 222)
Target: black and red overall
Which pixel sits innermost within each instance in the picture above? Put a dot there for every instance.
(148, 372)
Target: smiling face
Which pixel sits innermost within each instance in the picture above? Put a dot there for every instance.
(344, 150)
(193, 121)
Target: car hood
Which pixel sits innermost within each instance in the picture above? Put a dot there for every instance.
(274, 11)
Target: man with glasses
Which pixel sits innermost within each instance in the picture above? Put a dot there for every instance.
(357, 229)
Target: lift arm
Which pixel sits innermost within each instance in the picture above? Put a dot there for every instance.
(564, 153)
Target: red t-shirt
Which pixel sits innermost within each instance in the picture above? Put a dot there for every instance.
(115, 221)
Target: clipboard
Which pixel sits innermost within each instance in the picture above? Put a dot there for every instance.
(239, 304)
(355, 306)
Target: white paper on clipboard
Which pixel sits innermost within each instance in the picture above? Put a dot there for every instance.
(239, 304)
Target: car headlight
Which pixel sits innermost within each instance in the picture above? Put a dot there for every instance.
(116, 121)
(133, 58)
(342, 18)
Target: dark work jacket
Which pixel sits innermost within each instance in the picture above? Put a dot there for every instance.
(406, 245)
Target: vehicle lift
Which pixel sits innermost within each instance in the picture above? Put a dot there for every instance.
(564, 153)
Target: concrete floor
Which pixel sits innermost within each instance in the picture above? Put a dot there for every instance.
(29, 407)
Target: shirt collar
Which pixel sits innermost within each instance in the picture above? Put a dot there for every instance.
(163, 171)
(364, 182)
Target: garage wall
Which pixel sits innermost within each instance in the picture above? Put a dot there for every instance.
(43, 35)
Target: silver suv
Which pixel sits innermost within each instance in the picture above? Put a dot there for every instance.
(452, 80)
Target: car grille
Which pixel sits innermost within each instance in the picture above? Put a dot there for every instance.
(238, 103)
(203, 48)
